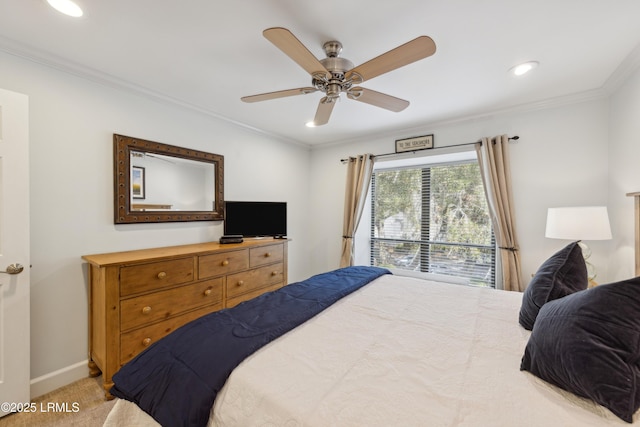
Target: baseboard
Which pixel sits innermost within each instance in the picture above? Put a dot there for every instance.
(56, 379)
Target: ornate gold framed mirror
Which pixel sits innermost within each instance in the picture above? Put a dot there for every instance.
(156, 182)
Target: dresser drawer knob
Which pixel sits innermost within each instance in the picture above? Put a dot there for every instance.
(274, 273)
(162, 275)
(267, 255)
(225, 262)
(207, 292)
(240, 283)
(146, 310)
(146, 342)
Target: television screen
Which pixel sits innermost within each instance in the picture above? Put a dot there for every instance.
(255, 219)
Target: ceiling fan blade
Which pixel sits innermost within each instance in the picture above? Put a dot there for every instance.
(325, 107)
(278, 94)
(377, 99)
(405, 54)
(284, 40)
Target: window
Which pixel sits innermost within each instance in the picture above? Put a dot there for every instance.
(433, 218)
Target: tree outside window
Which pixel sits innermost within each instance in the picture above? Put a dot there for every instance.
(433, 219)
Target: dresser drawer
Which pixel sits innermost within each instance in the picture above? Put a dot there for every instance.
(248, 281)
(147, 277)
(132, 343)
(232, 302)
(222, 263)
(266, 255)
(153, 307)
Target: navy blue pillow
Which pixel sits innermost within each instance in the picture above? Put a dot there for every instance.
(588, 343)
(564, 273)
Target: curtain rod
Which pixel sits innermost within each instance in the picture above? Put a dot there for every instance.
(514, 138)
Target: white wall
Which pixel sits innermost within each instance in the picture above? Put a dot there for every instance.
(624, 159)
(72, 122)
(560, 160)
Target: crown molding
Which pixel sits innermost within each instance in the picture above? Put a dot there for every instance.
(622, 73)
(427, 126)
(630, 64)
(46, 59)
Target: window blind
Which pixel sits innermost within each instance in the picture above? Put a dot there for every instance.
(433, 219)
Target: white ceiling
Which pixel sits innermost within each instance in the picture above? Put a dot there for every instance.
(206, 54)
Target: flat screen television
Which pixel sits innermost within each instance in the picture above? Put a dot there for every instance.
(255, 219)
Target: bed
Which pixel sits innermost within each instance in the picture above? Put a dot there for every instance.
(397, 351)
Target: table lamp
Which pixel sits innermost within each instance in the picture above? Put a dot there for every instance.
(579, 223)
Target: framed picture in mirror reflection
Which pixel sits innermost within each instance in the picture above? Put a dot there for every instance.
(137, 182)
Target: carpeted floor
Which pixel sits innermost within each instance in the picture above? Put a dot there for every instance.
(80, 403)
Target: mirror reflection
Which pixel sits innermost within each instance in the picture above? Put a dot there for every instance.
(160, 182)
(157, 182)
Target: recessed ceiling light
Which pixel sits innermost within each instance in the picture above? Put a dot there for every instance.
(310, 124)
(67, 7)
(524, 68)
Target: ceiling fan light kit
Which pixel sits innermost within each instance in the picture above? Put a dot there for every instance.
(335, 75)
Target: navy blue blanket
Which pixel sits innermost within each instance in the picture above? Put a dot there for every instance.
(176, 380)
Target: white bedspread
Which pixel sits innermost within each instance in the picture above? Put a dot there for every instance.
(399, 352)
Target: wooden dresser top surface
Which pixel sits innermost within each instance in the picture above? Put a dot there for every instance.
(138, 255)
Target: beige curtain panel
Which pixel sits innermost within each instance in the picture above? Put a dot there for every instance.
(359, 172)
(493, 158)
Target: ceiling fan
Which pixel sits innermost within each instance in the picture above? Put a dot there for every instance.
(334, 75)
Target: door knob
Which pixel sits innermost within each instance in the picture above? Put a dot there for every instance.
(13, 269)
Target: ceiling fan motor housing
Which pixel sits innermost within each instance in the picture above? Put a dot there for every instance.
(337, 67)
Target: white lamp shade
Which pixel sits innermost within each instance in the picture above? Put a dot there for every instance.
(578, 223)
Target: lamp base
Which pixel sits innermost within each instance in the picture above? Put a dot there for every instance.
(586, 253)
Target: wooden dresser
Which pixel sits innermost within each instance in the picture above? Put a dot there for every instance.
(137, 297)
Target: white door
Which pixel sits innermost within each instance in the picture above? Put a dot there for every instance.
(14, 251)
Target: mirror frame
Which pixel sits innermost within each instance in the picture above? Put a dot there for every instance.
(122, 147)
